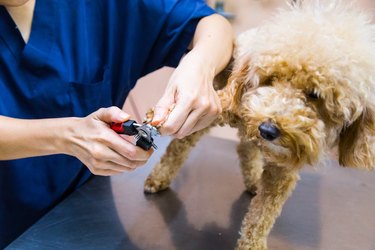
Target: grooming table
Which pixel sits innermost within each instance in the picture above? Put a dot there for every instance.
(331, 208)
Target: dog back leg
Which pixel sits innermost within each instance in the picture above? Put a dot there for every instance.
(276, 185)
(251, 162)
(164, 172)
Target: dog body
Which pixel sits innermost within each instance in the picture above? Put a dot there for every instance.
(299, 85)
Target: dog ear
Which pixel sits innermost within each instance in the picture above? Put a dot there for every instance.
(357, 142)
(243, 77)
(221, 79)
(243, 73)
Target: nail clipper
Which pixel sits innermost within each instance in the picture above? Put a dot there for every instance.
(143, 133)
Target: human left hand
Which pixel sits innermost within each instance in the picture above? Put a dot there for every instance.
(190, 102)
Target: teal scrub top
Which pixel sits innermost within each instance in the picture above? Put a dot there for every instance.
(81, 55)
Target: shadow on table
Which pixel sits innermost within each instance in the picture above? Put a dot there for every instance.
(211, 236)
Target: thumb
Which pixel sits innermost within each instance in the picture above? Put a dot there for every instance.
(111, 114)
(162, 109)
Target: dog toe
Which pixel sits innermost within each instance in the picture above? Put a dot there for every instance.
(153, 186)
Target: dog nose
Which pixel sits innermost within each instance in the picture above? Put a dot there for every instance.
(269, 131)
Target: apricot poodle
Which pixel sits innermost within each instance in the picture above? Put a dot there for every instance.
(299, 86)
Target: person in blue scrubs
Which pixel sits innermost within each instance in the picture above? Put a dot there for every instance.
(65, 68)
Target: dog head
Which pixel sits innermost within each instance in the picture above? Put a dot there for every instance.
(305, 82)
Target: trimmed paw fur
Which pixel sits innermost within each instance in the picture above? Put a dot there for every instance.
(153, 186)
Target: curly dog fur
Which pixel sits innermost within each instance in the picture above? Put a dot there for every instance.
(299, 85)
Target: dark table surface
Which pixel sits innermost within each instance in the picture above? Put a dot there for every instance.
(331, 208)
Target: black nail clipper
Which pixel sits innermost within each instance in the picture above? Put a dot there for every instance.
(143, 133)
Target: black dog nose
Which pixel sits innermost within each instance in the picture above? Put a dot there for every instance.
(269, 131)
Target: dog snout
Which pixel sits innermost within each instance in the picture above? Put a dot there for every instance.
(269, 131)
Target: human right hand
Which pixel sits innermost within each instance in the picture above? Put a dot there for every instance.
(101, 149)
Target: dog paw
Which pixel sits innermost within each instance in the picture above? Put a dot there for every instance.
(252, 190)
(246, 245)
(153, 186)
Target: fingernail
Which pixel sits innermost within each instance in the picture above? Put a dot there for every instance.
(155, 122)
(156, 117)
(124, 116)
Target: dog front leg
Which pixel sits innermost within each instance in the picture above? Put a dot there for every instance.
(251, 161)
(164, 172)
(276, 185)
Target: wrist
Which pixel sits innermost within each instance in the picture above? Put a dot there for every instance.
(199, 62)
(65, 134)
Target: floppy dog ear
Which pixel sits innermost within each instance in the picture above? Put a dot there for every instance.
(357, 142)
(221, 79)
(243, 77)
(243, 73)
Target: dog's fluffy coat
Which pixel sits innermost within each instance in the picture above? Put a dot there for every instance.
(309, 73)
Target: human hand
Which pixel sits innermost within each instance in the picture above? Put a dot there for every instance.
(190, 102)
(100, 148)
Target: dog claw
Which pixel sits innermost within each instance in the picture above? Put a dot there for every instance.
(154, 186)
(252, 190)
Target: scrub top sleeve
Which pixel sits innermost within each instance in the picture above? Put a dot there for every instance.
(177, 33)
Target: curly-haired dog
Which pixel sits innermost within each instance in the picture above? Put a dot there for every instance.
(300, 85)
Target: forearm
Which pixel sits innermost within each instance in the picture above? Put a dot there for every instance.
(90, 139)
(20, 138)
(212, 44)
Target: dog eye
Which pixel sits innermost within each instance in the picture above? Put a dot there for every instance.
(313, 95)
(267, 82)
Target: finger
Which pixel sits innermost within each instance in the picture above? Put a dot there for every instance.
(111, 114)
(126, 165)
(199, 119)
(189, 124)
(176, 118)
(105, 172)
(128, 138)
(206, 118)
(103, 157)
(123, 167)
(121, 163)
(116, 161)
(201, 125)
(123, 146)
(162, 108)
(161, 114)
(127, 149)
